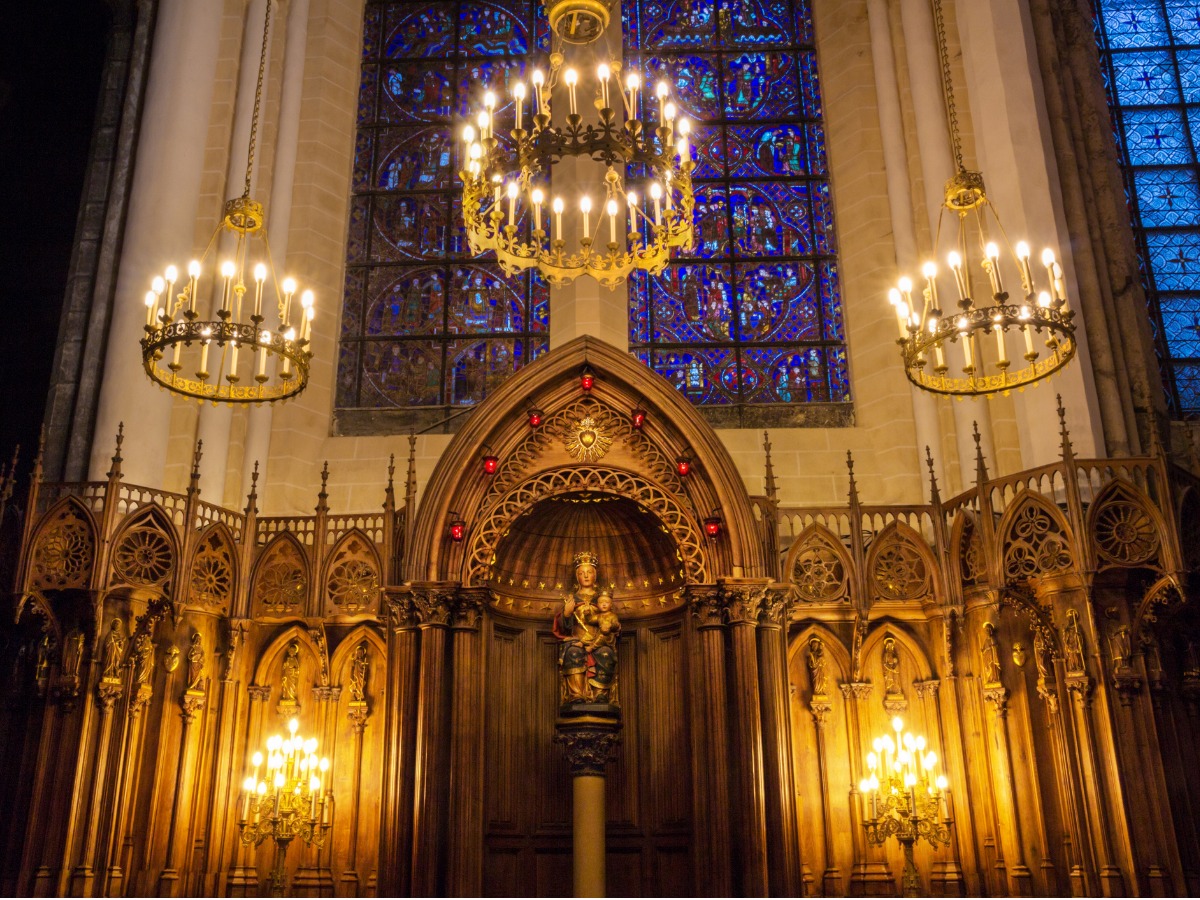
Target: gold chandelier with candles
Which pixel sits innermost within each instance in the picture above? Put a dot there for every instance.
(292, 800)
(1012, 338)
(905, 797)
(622, 225)
(231, 356)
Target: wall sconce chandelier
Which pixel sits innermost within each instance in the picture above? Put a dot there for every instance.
(231, 358)
(289, 802)
(506, 178)
(986, 363)
(905, 798)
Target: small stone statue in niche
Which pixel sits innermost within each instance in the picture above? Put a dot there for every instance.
(989, 652)
(1073, 645)
(114, 650)
(195, 657)
(1122, 648)
(72, 653)
(891, 668)
(289, 682)
(359, 664)
(817, 675)
(143, 658)
(588, 630)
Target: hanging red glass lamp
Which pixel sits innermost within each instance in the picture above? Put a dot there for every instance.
(683, 464)
(712, 526)
(535, 417)
(490, 464)
(457, 527)
(587, 380)
(637, 418)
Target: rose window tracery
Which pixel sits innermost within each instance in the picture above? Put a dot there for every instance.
(212, 573)
(63, 555)
(353, 582)
(818, 574)
(144, 557)
(900, 573)
(1124, 533)
(1036, 544)
(281, 585)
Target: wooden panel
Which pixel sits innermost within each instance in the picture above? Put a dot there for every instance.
(501, 812)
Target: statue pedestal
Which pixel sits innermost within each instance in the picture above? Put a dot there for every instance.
(588, 733)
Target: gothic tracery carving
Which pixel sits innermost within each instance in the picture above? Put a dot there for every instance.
(212, 573)
(281, 584)
(898, 570)
(818, 572)
(144, 555)
(1035, 544)
(1124, 533)
(63, 554)
(353, 581)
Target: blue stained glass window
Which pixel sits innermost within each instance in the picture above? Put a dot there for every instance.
(1151, 55)
(425, 325)
(752, 315)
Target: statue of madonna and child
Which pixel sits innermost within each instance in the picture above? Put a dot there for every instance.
(587, 629)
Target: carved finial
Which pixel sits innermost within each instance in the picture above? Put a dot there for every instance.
(410, 483)
(194, 483)
(981, 472)
(853, 483)
(389, 494)
(935, 496)
(252, 497)
(1062, 428)
(323, 496)
(768, 468)
(114, 472)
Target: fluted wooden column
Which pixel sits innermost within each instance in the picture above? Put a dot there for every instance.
(710, 757)
(125, 800)
(359, 714)
(465, 867)
(243, 877)
(400, 729)
(783, 840)
(1020, 880)
(743, 606)
(314, 878)
(191, 705)
(831, 877)
(947, 872)
(83, 876)
(434, 607)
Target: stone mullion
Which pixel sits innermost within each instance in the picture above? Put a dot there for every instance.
(434, 607)
(710, 730)
(743, 605)
(242, 880)
(783, 841)
(400, 725)
(465, 866)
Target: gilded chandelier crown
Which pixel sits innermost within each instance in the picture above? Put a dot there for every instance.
(507, 206)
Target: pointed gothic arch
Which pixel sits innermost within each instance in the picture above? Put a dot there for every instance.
(1035, 539)
(1125, 528)
(212, 582)
(968, 556)
(280, 584)
(353, 577)
(499, 427)
(900, 566)
(62, 553)
(145, 550)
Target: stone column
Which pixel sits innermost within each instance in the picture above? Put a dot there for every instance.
(434, 606)
(161, 225)
(870, 876)
(465, 870)
(783, 841)
(710, 767)
(588, 738)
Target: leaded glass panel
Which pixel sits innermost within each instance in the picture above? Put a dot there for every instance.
(752, 315)
(1151, 55)
(423, 324)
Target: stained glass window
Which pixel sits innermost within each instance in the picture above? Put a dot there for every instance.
(1151, 55)
(425, 325)
(751, 317)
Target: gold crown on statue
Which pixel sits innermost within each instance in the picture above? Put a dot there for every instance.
(587, 557)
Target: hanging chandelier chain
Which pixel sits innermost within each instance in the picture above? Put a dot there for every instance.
(939, 24)
(262, 66)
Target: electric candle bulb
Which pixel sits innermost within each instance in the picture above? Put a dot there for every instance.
(274, 742)
(260, 273)
(612, 220)
(1044, 299)
(538, 80)
(489, 100)
(930, 759)
(662, 91)
(158, 285)
(468, 134)
(289, 285)
(249, 785)
(631, 200)
(151, 307)
(324, 764)
(632, 83)
(512, 203)
(585, 207)
(294, 726)
(519, 96)
(558, 210)
(571, 77)
(279, 780)
(483, 119)
(942, 783)
(656, 196)
(227, 269)
(314, 784)
(172, 274)
(257, 759)
(897, 724)
(669, 112)
(537, 196)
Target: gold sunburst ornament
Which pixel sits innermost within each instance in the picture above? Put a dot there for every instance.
(588, 442)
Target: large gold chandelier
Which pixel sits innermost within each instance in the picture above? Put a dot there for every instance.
(231, 357)
(621, 227)
(966, 351)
